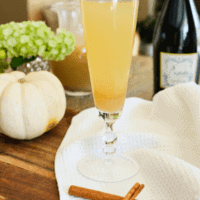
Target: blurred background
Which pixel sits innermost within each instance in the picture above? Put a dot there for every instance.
(21, 10)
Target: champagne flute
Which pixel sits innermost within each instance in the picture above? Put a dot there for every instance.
(109, 29)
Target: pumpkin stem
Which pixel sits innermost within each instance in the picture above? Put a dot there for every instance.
(21, 80)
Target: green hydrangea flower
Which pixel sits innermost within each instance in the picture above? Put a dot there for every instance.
(3, 64)
(2, 54)
(31, 39)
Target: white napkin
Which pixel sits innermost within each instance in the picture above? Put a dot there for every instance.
(167, 125)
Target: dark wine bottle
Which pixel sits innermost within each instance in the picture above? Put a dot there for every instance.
(175, 44)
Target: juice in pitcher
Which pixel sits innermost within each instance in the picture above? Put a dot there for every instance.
(73, 70)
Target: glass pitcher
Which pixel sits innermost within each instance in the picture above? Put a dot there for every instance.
(73, 70)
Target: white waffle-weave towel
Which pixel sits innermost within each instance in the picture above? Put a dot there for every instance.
(171, 119)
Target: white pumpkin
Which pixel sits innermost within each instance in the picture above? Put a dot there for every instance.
(30, 104)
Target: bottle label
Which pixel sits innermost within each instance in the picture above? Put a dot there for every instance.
(177, 68)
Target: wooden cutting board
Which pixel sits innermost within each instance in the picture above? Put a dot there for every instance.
(27, 167)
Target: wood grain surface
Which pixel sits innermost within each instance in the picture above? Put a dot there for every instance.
(27, 167)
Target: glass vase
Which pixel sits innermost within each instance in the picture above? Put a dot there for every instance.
(35, 65)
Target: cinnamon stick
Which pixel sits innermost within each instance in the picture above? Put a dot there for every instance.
(97, 195)
(135, 194)
(131, 191)
(91, 194)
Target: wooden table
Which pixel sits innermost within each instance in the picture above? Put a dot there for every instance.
(27, 167)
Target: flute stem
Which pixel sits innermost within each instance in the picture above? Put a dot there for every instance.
(109, 137)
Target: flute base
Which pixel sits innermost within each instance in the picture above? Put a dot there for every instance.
(117, 169)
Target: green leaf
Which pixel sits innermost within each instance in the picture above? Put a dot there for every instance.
(17, 61)
(3, 66)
